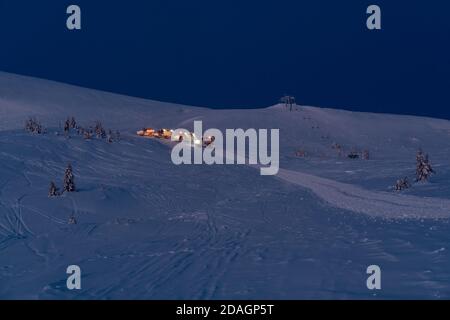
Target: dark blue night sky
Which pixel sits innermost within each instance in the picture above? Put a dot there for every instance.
(236, 53)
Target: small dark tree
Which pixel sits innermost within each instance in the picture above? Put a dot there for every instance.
(423, 167)
(73, 123)
(99, 130)
(53, 191)
(28, 125)
(72, 220)
(402, 184)
(353, 155)
(69, 180)
(66, 127)
(34, 126)
(109, 136)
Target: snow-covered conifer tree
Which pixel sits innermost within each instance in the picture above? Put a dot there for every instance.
(402, 184)
(66, 127)
(73, 123)
(423, 166)
(69, 179)
(72, 220)
(53, 191)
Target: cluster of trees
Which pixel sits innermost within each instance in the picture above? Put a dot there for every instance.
(423, 166)
(68, 186)
(354, 154)
(68, 183)
(423, 172)
(32, 125)
(364, 155)
(88, 133)
(70, 123)
(402, 184)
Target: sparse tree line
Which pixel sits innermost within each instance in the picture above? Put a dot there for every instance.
(353, 154)
(32, 125)
(423, 172)
(423, 165)
(89, 133)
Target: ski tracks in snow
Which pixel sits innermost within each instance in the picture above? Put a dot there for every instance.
(373, 203)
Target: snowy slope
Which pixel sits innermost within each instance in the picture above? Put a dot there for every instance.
(149, 229)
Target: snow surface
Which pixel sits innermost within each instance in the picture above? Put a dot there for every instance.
(148, 229)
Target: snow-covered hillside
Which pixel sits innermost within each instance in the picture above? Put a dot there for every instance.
(148, 229)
